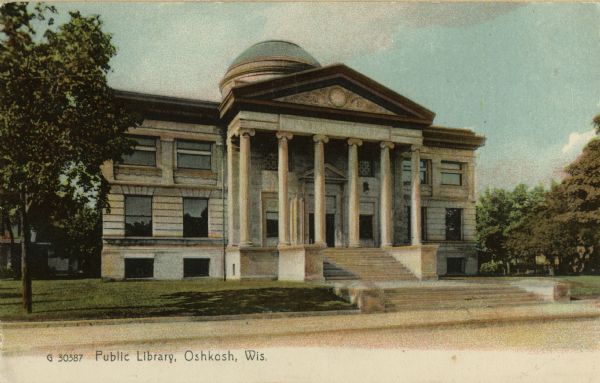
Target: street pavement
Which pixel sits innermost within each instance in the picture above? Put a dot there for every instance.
(550, 343)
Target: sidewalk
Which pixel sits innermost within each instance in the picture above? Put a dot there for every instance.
(36, 339)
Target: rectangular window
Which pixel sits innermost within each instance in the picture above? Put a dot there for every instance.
(423, 172)
(138, 216)
(272, 224)
(144, 152)
(423, 224)
(195, 267)
(452, 173)
(453, 224)
(366, 226)
(271, 161)
(139, 267)
(194, 155)
(365, 168)
(195, 217)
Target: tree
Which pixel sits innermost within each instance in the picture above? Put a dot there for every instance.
(499, 213)
(74, 229)
(565, 228)
(58, 117)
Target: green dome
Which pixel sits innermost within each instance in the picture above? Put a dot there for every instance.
(275, 50)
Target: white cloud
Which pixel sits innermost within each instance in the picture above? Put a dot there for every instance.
(577, 141)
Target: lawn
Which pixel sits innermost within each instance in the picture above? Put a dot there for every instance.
(96, 299)
(583, 286)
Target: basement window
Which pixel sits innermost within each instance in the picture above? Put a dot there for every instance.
(195, 267)
(139, 268)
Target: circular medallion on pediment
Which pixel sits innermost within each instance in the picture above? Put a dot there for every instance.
(338, 97)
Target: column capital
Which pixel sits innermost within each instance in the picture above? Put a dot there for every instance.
(320, 138)
(415, 148)
(355, 141)
(284, 135)
(245, 132)
(386, 144)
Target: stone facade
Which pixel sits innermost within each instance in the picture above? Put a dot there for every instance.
(323, 157)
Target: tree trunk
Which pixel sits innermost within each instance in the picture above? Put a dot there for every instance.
(25, 277)
(11, 236)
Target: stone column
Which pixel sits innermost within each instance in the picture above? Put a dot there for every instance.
(244, 188)
(319, 170)
(385, 203)
(415, 196)
(354, 196)
(231, 192)
(282, 173)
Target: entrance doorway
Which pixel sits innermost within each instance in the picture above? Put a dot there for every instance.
(329, 229)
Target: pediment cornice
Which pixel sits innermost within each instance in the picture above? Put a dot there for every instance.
(335, 92)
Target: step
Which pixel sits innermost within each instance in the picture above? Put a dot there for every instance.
(463, 305)
(463, 299)
(452, 289)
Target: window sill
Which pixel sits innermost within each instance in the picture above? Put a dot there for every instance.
(201, 173)
(136, 166)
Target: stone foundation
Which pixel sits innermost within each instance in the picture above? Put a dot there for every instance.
(168, 262)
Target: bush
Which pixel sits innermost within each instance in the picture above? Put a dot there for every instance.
(491, 268)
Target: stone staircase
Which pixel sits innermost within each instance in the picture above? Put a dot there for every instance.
(422, 297)
(368, 264)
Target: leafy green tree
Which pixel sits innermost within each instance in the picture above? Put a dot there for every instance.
(566, 227)
(499, 213)
(73, 229)
(58, 117)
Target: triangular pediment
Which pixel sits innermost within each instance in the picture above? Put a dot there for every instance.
(338, 97)
(331, 173)
(335, 91)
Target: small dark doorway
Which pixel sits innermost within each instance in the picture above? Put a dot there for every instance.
(311, 228)
(330, 230)
(455, 266)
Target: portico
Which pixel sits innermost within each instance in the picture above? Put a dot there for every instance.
(302, 215)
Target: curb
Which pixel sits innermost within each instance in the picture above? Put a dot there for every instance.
(282, 325)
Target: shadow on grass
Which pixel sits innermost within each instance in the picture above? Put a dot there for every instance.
(9, 295)
(191, 303)
(249, 301)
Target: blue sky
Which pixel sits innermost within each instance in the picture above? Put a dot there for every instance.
(527, 76)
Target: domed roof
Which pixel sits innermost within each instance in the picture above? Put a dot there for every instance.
(266, 60)
(275, 50)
